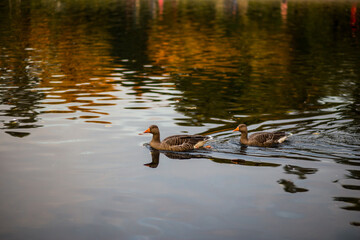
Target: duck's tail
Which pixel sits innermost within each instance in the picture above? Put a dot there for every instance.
(201, 143)
(281, 140)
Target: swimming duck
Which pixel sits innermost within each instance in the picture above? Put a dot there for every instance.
(260, 139)
(177, 143)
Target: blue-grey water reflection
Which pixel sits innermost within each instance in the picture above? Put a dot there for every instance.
(80, 79)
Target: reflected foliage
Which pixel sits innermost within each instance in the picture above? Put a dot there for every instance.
(18, 134)
(353, 203)
(354, 174)
(301, 172)
(227, 58)
(19, 102)
(290, 187)
(230, 67)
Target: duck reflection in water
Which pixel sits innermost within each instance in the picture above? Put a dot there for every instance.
(155, 159)
(155, 156)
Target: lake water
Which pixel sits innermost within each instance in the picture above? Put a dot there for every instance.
(80, 79)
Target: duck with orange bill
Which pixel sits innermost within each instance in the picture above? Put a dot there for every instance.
(260, 139)
(176, 143)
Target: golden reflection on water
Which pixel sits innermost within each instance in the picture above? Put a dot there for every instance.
(246, 54)
(187, 46)
(70, 61)
(75, 62)
(179, 43)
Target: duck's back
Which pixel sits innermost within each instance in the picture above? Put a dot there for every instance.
(182, 142)
(180, 139)
(265, 139)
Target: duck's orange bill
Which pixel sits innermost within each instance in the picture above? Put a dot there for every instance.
(236, 129)
(146, 131)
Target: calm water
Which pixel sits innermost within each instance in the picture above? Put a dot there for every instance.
(80, 79)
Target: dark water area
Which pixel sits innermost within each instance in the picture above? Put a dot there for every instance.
(80, 79)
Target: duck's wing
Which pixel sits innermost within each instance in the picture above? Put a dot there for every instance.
(267, 138)
(180, 139)
(183, 142)
(278, 135)
(261, 137)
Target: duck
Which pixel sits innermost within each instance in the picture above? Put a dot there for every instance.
(260, 139)
(176, 143)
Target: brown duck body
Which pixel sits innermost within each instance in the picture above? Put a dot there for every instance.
(177, 143)
(260, 139)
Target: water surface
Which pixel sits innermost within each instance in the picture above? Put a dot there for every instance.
(80, 79)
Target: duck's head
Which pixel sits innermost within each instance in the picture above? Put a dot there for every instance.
(241, 128)
(153, 129)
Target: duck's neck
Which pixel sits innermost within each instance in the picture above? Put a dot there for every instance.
(156, 138)
(244, 137)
